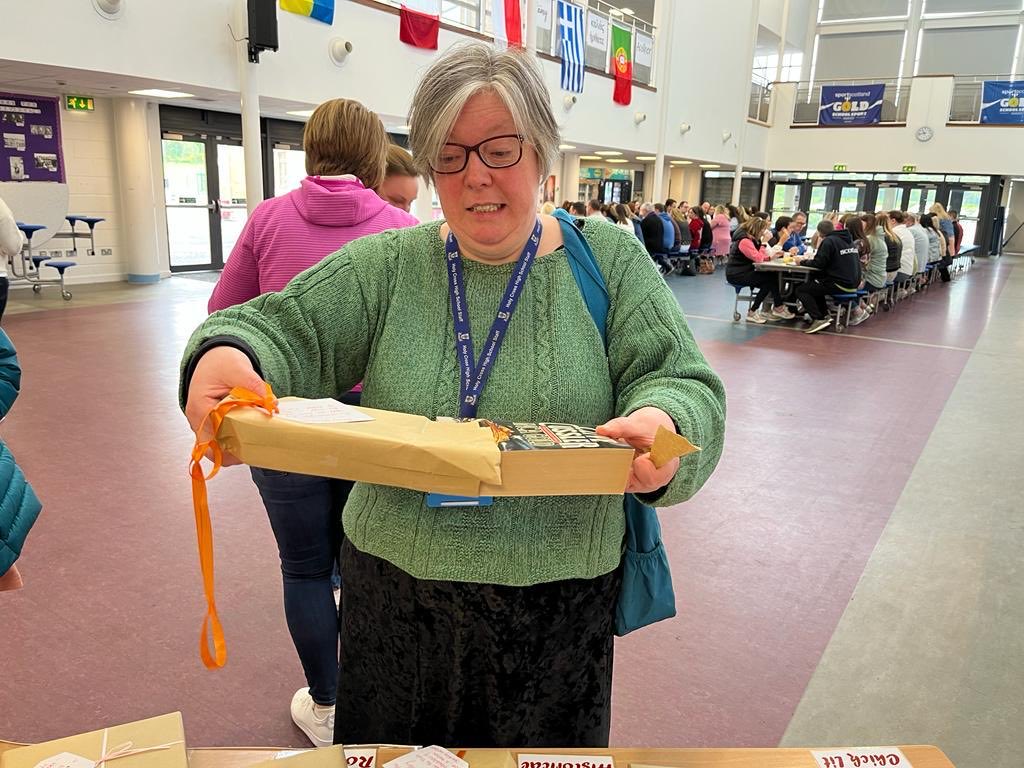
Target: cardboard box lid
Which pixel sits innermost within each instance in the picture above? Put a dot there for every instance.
(158, 742)
(392, 443)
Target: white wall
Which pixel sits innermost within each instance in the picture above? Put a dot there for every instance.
(987, 150)
(91, 170)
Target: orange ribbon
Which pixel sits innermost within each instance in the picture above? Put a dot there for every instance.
(238, 398)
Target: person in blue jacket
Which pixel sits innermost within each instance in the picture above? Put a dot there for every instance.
(19, 506)
(796, 234)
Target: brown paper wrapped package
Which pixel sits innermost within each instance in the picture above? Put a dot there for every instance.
(408, 451)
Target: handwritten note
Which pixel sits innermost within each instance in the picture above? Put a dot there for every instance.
(861, 757)
(565, 761)
(428, 757)
(66, 760)
(322, 411)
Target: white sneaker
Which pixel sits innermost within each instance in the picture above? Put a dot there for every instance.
(756, 317)
(858, 318)
(316, 721)
(782, 313)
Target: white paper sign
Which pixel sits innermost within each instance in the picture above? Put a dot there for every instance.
(643, 50)
(565, 761)
(543, 14)
(361, 758)
(597, 31)
(322, 411)
(66, 760)
(861, 757)
(428, 757)
(289, 753)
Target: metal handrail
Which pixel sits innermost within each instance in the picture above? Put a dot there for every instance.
(965, 104)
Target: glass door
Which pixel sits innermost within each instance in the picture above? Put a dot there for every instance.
(204, 193)
(188, 204)
(289, 168)
(889, 198)
(921, 198)
(785, 199)
(231, 195)
(818, 205)
(850, 198)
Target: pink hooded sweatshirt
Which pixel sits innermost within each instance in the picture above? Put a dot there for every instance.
(288, 234)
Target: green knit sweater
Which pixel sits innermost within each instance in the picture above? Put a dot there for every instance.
(377, 311)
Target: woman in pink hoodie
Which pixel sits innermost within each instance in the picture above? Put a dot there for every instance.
(346, 151)
(721, 232)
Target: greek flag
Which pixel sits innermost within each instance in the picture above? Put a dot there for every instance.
(570, 45)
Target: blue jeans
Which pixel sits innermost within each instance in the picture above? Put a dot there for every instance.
(305, 515)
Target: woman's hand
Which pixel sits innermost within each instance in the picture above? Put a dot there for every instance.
(638, 430)
(218, 371)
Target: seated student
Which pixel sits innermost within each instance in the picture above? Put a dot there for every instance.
(696, 227)
(921, 246)
(747, 249)
(839, 261)
(653, 230)
(958, 232)
(681, 219)
(671, 230)
(938, 245)
(780, 236)
(796, 238)
(908, 253)
(893, 247)
(859, 232)
(578, 209)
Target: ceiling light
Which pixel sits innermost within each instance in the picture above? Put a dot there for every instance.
(680, 162)
(402, 128)
(608, 152)
(567, 146)
(709, 165)
(590, 157)
(159, 93)
(616, 160)
(301, 112)
(646, 158)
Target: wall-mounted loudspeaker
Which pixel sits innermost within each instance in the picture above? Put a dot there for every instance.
(262, 28)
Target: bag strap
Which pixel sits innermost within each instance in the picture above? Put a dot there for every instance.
(586, 271)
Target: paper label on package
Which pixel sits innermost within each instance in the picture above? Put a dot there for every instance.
(428, 757)
(565, 761)
(289, 753)
(322, 411)
(66, 760)
(361, 758)
(860, 757)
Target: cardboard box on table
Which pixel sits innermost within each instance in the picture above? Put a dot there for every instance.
(408, 451)
(158, 742)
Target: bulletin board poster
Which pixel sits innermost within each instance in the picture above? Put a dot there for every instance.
(1002, 102)
(30, 129)
(851, 104)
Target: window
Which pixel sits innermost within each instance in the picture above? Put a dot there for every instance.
(765, 66)
(858, 10)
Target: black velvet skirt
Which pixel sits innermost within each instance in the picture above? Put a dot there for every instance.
(472, 665)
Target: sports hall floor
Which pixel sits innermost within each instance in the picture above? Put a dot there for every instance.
(850, 575)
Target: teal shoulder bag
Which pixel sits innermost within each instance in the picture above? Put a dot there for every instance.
(646, 595)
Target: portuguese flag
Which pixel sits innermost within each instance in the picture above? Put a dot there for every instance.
(622, 65)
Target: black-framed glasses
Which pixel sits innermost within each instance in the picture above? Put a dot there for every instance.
(495, 152)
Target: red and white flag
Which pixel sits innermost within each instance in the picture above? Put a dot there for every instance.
(419, 21)
(507, 18)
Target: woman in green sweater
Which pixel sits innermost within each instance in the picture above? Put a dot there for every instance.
(479, 626)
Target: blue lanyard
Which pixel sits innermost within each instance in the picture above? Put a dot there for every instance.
(474, 375)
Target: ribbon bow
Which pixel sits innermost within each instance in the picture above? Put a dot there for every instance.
(212, 629)
(126, 749)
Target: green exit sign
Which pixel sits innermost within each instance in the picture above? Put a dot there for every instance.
(909, 168)
(839, 167)
(79, 103)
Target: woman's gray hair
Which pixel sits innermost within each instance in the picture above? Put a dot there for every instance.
(465, 70)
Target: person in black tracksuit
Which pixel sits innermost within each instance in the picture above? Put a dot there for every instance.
(839, 261)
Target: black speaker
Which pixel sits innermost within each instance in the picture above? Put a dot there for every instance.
(262, 28)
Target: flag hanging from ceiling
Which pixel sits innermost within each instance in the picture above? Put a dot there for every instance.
(622, 65)
(570, 45)
(321, 10)
(508, 23)
(419, 21)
